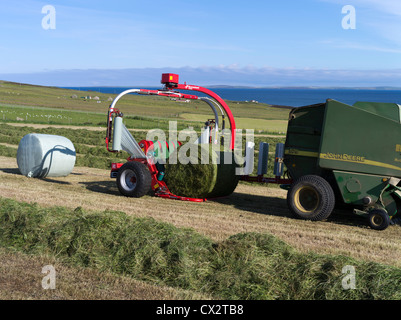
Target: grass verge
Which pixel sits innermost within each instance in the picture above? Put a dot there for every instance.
(245, 266)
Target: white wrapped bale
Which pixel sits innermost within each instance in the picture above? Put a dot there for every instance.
(43, 155)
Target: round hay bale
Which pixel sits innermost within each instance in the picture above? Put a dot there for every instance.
(202, 179)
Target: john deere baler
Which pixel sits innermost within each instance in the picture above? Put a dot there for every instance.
(335, 152)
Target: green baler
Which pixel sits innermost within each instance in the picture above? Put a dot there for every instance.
(337, 153)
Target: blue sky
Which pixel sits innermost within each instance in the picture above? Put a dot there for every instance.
(289, 37)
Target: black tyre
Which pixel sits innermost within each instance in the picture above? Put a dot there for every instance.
(378, 219)
(311, 198)
(134, 180)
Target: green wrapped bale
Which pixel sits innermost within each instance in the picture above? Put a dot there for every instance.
(207, 177)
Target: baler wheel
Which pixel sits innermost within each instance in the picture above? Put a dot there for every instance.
(134, 179)
(311, 198)
(378, 219)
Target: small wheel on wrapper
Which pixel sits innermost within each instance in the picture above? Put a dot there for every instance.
(134, 179)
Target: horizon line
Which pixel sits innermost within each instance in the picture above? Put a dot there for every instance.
(221, 86)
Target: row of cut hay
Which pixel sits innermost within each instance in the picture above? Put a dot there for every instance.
(245, 266)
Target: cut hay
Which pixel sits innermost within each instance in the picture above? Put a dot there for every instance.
(208, 173)
(246, 266)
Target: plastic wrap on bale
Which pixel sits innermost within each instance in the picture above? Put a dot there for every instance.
(43, 155)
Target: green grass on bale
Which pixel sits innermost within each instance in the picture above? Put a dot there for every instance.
(202, 179)
(226, 180)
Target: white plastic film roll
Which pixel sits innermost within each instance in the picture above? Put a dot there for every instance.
(117, 132)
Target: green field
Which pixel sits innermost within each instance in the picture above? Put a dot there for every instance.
(37, 104)
(51, 116)
(90, 144)
(259, 125)
(26, 104)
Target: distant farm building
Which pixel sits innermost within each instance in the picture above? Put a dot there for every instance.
(180, 100)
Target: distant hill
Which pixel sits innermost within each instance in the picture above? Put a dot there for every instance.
(28, 95)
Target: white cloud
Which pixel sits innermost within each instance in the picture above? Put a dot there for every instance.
(217, 75)
(338, 43)
(378, 25)
(391, 7)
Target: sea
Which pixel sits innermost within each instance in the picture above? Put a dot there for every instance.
(294, 97)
